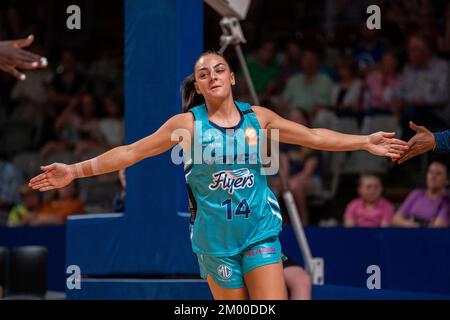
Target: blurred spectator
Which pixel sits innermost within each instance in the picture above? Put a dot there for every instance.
(381, 84)
(263, 68)
(77, 127)
(394, 22)
(289, 61)
(298, 165)
(346, 94)
(369, 50)
(111, 125)
(30, 96)
(425, 22)
(309, 90)
(430, 206)
(10, 181)
(444, 38)
(65, 202)
(370, 209)
(30, 203)
(68, 80)
(119, 199)
(343, 14)
(34, 89)
(298, 282)
(104, 72)
(424, 85)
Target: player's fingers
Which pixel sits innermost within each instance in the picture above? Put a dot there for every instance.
(37, 184)
(415, 127)
(393, 154)
(41, 185)
(38, 178)
(49, 167)
(27, 57)
(388, 134)
(398, 142)
(43, 62)
(13, 71)
(399, 147)
(407, 156)
(28, 65)
(46, 188)
(22, 43)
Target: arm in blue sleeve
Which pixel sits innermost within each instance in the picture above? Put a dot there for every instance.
(442, 141)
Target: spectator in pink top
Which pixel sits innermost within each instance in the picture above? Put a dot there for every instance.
(371, 209)
(427, 207)
(381, 85)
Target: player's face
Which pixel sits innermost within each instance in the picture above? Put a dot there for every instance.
(213, 77)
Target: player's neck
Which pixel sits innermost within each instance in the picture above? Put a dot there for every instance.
(222, 109)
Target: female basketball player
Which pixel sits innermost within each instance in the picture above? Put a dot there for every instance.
(235, 217)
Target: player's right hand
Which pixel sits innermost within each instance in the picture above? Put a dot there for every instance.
(56, 175)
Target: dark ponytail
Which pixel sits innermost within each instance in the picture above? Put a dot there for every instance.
(190, 97)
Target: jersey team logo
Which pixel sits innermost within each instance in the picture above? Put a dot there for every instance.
(251, 136)
(224, 271)
(232, 179)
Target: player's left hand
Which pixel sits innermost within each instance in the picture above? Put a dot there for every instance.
(384, 144)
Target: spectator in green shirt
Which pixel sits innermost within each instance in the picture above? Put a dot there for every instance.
(263, 68)
(309, 90)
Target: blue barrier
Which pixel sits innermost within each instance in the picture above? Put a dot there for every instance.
(409, 259)
(139, 289)
(415, 260)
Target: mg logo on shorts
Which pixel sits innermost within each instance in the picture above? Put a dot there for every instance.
(224, 271)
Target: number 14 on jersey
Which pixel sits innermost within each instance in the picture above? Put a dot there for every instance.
(243, 209)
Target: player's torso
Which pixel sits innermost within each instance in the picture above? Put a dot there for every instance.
(227, 184)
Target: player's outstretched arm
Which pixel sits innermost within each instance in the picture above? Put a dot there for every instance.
(58, 175)
(378, 143)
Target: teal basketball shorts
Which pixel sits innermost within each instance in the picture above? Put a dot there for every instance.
(228, 272)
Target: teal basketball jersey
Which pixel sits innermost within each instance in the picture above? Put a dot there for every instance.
(231, 204)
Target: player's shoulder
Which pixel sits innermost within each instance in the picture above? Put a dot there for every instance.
(264, 115)
(183, 120)
(185, 116)
(263, 110)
